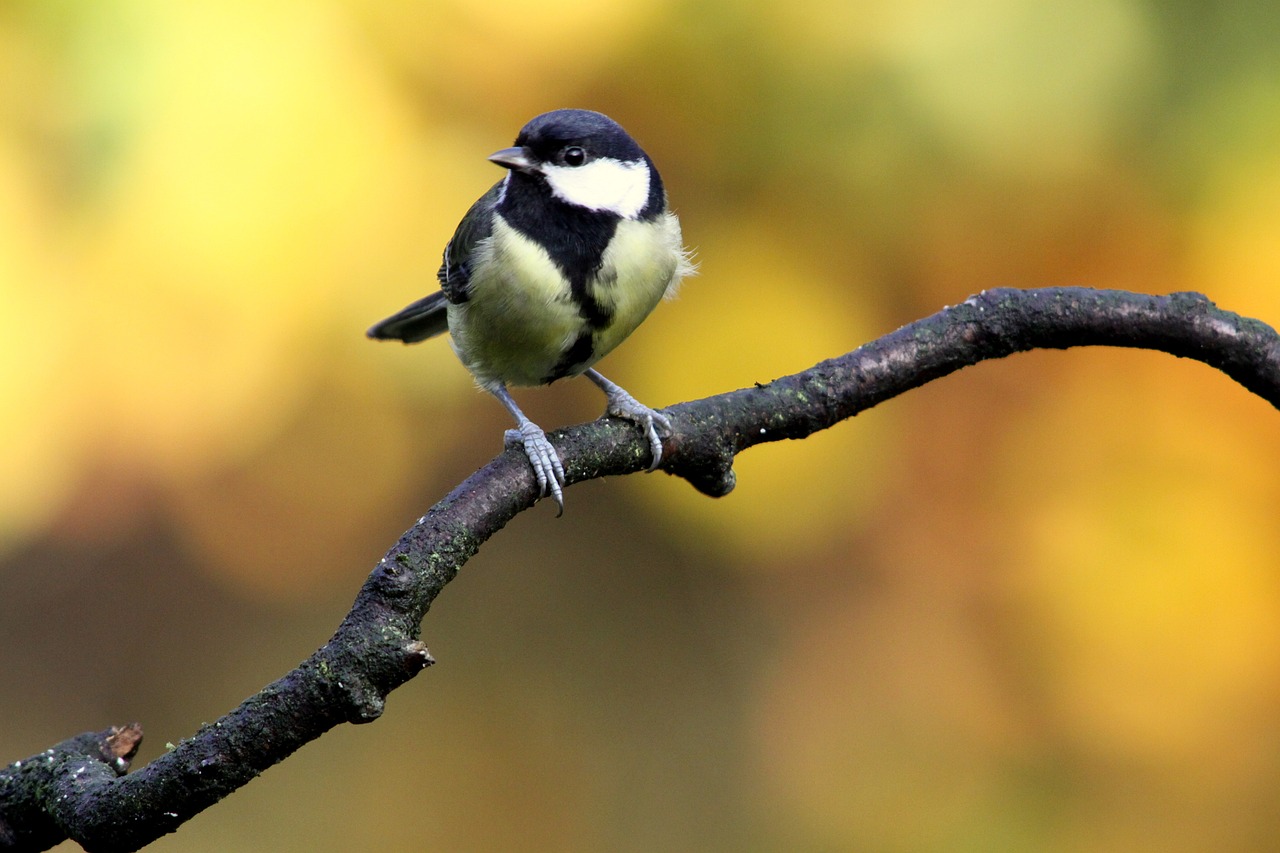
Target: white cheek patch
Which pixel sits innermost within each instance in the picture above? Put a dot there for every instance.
(618, 186)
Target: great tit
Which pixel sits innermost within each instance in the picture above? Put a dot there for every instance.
(551, 269)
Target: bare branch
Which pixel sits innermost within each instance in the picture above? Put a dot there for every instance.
(77, 789)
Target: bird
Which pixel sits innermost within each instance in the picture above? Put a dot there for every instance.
(551, 269)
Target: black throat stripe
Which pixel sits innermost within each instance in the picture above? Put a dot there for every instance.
(573, 236)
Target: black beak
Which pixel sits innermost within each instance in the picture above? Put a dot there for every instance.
(517, 159)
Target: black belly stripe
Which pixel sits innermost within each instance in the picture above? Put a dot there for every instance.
(580, 352)
(596, 315)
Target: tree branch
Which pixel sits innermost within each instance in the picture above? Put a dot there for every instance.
(78, 789)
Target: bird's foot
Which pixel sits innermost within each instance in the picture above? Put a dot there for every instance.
(654, 423)
(543, 457)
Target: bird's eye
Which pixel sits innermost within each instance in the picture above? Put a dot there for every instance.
(574, 156)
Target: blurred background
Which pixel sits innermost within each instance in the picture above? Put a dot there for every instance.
(1033, 606)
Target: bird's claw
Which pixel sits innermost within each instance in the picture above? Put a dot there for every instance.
(654, 423)
(546, 463)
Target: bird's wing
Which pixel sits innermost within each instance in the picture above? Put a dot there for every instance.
(424, 319)
(428, 317)
(476, 226)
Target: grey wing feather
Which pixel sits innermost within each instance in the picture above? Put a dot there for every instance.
(428, 317)
(475, 227)
(424, 319)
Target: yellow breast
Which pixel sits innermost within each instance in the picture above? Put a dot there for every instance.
(521, 317)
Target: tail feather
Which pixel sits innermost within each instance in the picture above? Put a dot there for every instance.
(424, 319)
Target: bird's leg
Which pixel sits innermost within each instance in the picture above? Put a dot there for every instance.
(542, 456)
(623, 405)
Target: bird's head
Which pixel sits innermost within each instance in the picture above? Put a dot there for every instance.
(586, 159)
